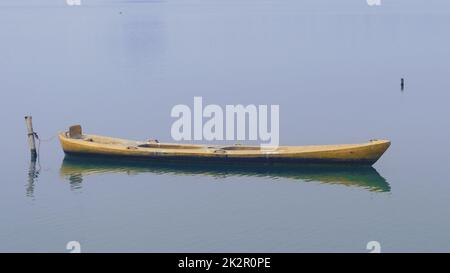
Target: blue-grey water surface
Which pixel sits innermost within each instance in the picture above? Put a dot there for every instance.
(118, 67)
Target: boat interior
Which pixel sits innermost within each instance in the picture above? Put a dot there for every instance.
(75, 132)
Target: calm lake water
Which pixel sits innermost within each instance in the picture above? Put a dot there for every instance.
(118, 67)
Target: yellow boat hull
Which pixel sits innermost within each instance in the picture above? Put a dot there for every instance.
(352, 154)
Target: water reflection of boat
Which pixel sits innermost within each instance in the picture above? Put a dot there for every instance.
(75, 167)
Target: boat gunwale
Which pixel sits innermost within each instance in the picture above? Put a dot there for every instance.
(207, 150)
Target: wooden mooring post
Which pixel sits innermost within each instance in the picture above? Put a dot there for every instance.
(31, 137)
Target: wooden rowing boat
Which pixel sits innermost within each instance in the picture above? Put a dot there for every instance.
(75, 142)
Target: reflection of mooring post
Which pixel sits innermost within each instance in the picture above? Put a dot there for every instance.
(31, 137)
(33, 174)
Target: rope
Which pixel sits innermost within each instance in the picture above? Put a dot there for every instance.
(48, 139)
(38, 150)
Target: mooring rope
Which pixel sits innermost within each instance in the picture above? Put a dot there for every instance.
(48, 139)
(38, 150)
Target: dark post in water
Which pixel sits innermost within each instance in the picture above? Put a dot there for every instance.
(31, 135)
